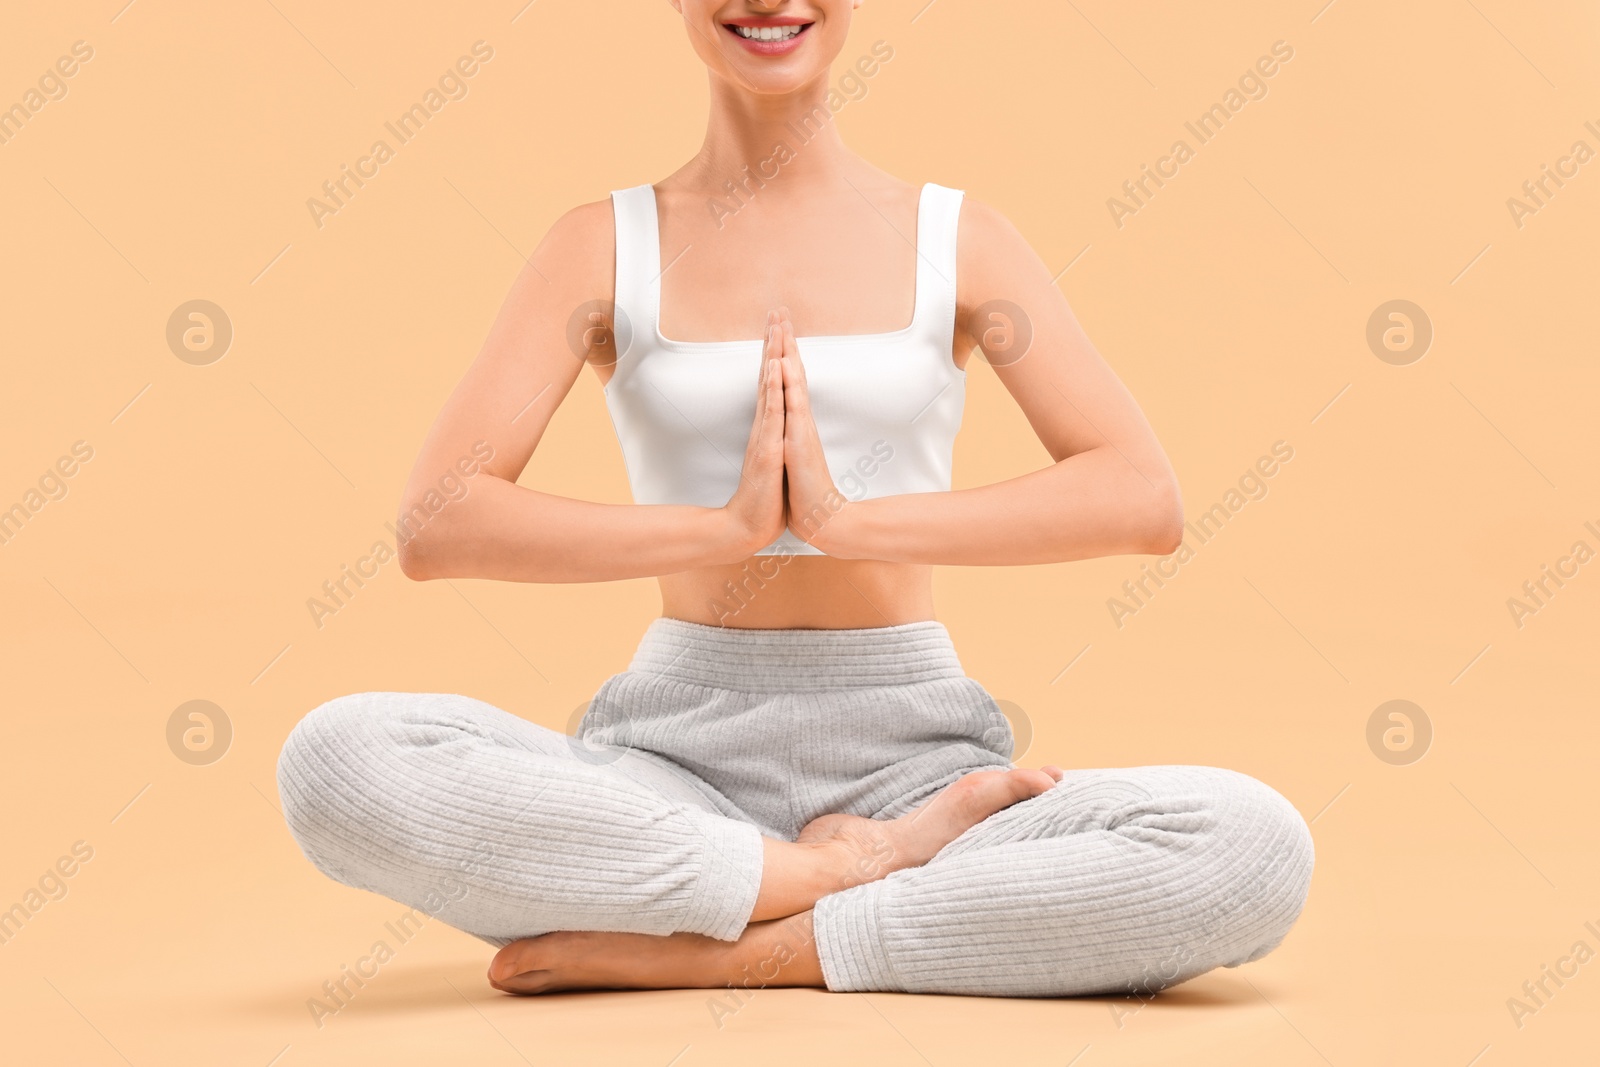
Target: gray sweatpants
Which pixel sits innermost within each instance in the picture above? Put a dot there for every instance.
(650, 819)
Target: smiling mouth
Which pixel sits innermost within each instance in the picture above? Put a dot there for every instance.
(767, 34)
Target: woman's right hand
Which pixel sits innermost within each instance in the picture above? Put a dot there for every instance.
(756, 509)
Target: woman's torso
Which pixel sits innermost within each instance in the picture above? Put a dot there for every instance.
(846, 260)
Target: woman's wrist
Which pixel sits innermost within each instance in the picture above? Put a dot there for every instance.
(731, 538)
(829, 526)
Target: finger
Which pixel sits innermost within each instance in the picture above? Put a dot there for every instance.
(774, 394)
(772, 409)
(767, 387)
(771, 346)
(763, 406)
(791, 351)
(796, 397)
(792, 390)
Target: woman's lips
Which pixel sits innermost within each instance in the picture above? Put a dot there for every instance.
(768, 48)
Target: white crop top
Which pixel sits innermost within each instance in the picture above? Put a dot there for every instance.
(887, 405)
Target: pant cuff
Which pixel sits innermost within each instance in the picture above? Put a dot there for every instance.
(850, 942)
(729, 879)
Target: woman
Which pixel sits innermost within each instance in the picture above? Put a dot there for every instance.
(794, 783)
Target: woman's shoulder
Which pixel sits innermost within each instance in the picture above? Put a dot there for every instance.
(993, 258)
(573, 261)
(981, 223)
(583, 225)
(981, 220)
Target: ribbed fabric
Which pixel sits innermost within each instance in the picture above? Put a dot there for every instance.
(796, 661)
(1115, 881)
(650, 820)
(506, 829)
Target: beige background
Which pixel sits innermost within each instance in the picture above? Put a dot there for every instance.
(1234, 304)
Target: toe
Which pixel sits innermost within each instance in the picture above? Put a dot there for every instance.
(1031, 783)
(512, 960)
(525, 984)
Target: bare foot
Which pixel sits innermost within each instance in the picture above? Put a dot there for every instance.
(832, 853)
(781, 953)
(873, 848)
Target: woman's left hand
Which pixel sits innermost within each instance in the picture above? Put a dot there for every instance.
(816, 508)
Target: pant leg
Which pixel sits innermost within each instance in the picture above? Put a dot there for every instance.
(506, 829)
(1114, 881)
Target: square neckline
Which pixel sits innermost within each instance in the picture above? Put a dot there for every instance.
(917, 295)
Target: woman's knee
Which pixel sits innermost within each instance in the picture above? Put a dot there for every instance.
(1265, 857)
(328, 739)
(333, 764)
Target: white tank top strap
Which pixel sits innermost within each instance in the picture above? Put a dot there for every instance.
(938, 218)
(638, 281)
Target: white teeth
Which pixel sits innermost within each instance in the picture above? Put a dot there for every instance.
(767, 33)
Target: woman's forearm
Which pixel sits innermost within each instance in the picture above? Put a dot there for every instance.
(505, 531)
(1091, 504)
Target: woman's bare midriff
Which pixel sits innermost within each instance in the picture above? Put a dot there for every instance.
(800, 592)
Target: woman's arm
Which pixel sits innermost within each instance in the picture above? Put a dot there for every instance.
(1110, 490)
(483, 525)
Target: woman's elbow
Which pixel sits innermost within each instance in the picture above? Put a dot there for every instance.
(416, 561)
(1163, 526)
(420, 544)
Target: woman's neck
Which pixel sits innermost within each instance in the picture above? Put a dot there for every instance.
(753, 138)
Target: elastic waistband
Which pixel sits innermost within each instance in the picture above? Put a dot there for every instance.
(796, 660)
